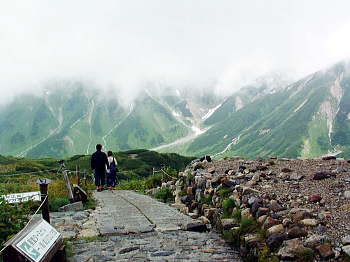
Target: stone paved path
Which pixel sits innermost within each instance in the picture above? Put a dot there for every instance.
(127, 226)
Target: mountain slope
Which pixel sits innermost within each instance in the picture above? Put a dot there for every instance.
(71, 117)
(308, 118)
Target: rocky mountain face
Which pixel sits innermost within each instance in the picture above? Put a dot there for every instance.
(308, 118)
(269, 117)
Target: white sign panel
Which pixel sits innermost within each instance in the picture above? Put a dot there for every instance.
(21, 197)
(38, 241)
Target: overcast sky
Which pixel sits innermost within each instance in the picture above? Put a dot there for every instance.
(125, 43)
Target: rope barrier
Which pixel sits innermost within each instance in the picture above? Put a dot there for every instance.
(28, 173)
(42, 203)
(168, 174)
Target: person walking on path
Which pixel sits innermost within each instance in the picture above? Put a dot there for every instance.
(99, 162)
(111, 171)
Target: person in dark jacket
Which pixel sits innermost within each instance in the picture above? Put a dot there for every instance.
(99, 161)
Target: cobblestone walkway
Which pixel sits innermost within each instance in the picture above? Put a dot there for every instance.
(134, 227)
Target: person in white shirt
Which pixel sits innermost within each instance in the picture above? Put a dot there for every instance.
(111, 171)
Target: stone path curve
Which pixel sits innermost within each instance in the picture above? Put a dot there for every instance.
(135, 227)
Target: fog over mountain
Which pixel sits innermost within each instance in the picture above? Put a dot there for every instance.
(126, 45)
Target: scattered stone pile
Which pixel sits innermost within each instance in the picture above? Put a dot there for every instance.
(278, 208)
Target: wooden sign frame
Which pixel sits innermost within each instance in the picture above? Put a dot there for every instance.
(14, 253)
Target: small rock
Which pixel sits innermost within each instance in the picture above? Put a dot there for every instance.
(162, 254)
(286, 170)
(77, 206)
(290, 249)
(325, 251)
(309, 222)
(261, 168)
(321, 175)
(261, 219)
(228, 223)
(346, 240)
(277, 229)
(347, 194)
(275, 241)
(251, 200)
(256, 206)
(315, 198)
(246, 212)
(204, 220)
(262, 211)
(315, 240)
(329, 157)
(252, 238)
(211, 170)
(296, 232)
(296, 176)
(269, 222)
(346, 250)
(274, 206)
(300, 215)
(286, 222)
(128, 249)
(195, 227)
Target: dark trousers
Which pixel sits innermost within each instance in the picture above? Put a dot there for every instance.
(111, 179)
(100, 178)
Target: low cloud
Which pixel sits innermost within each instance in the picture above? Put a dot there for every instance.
(125, 45)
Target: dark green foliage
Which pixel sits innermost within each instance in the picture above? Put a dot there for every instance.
(12, 220)
(206, 199)
(228, 205)
(153, 181)
(225, 192)
(56, 203)
(247, 225)
(307, 255)
(165, 195)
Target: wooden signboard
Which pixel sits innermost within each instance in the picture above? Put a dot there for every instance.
(38, 242)
(21, 197)
(79, 194)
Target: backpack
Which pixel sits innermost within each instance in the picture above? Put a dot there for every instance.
(113, 167)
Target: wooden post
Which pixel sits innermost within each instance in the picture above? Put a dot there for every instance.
(78, 174)
(85, 178)
(69, 189)
(43, 183)
(153, 171)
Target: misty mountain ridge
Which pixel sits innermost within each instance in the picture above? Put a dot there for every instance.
(270, 116)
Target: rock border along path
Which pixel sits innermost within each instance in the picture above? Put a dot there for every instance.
(135, 227)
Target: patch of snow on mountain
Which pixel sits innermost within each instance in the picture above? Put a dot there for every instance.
(234, 141)
(210, 112)
(300, 106)
(238, 103)
(330, 107)
(264, 131)
(197, 131)
(175, 113)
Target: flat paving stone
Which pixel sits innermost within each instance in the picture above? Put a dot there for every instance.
(132, 227)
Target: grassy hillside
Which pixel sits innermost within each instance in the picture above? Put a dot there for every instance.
(309, 118)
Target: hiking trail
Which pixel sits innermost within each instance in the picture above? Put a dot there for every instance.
(127, 226)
